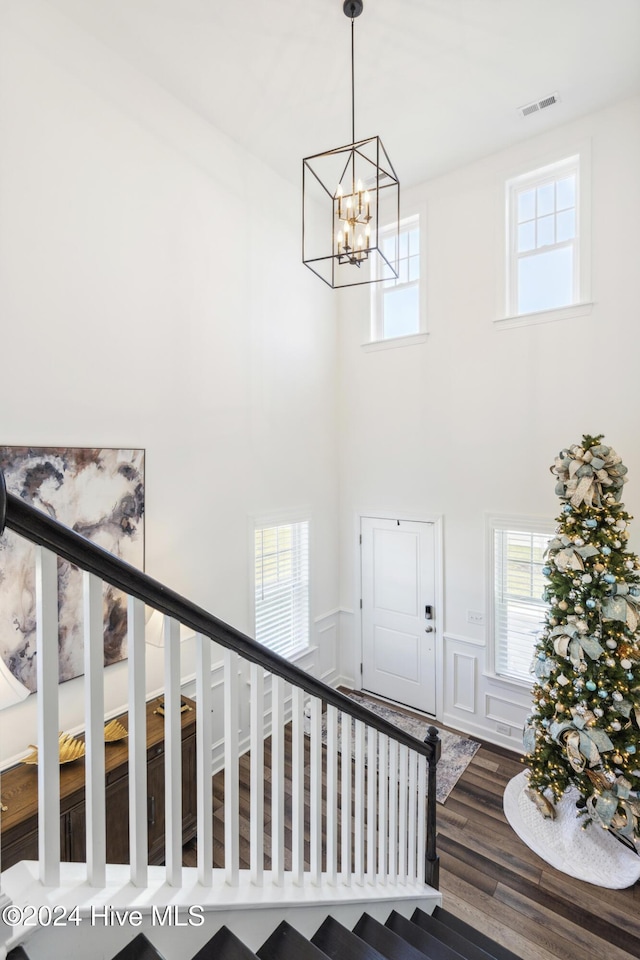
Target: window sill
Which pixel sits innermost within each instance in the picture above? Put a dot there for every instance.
(392, 342)
(510, 683)
(544, 316)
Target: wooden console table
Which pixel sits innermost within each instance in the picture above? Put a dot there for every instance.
(19, 792)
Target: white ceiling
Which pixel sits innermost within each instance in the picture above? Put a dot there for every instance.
(438, 80)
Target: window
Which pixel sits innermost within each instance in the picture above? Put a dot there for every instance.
(518, 609)
(282, 586)
(396, 303)
(544, 226)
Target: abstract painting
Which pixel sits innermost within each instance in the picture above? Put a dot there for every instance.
(99, 493)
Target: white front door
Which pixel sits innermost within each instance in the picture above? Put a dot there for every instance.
(398, 612)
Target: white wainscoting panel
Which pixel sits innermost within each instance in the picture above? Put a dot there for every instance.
(464, 681)
(503, 711)
(326, 629)
(478, 703)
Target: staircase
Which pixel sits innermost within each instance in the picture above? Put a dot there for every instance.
(437, 936)
(370, 789)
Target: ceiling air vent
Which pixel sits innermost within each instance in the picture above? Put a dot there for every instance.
(537, 105)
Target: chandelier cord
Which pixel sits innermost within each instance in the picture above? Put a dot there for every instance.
(353, 87)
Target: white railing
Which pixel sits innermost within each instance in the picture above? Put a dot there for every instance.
(366, 790)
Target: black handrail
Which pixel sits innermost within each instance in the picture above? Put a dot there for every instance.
(36, 526)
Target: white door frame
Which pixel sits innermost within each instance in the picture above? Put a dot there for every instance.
(419, 517)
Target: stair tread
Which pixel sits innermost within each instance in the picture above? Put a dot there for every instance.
(338, 942)
(140, 948)
(464, 945)
(429, 945)
(388, 942)
(492, 947)
(224, 945)
(17, 953)
(286, 943)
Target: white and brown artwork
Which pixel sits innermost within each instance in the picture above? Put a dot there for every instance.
(99, 493)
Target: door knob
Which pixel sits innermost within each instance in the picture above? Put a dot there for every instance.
(428, 629)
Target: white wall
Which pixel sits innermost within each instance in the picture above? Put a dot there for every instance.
(152, 295)
(469, 422)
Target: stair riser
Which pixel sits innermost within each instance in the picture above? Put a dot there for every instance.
(252, 925)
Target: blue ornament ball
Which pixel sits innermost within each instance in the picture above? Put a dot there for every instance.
(590, 685)
(609, 578)
(629, 675)
(606, 551)
(634, 591)
(591, 603)
(567, 508)
(630, 748)
(602, 694)
(546, 571)
(591, 522)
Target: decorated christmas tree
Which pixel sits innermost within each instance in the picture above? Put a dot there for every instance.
(584, 729)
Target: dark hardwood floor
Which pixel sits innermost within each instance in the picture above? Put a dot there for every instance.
(488, 877)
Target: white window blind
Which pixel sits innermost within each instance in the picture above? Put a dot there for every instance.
(519, 609)
(282, 586)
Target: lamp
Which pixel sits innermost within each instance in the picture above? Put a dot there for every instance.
(349, 195)
(11, 692)
(154, 628)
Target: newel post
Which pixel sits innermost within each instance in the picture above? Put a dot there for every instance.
(432, 860)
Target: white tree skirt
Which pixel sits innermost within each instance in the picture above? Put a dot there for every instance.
(593, 855)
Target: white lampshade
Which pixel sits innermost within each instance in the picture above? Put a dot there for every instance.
(11, 690)
(154, 628)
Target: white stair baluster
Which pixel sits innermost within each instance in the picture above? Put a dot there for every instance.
(256, 759)
(403, 786)
(94, 730)
(332, 795)
(297, 786)
(277, 780)
(422, 816)
(48, 722)
(137, 743)
(315, 788)
(231, 797)
(172, 753)
(372, 798)
(359, 808)
(346, 769)
(393, 810)
(383, 806)
(412, 831)
(204, 745)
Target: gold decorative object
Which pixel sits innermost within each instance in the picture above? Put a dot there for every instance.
(114, 731)
(69, 748)
(184, 707)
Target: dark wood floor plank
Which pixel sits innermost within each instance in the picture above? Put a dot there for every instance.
(586, 939)
(614, 905)
(495, 920)
(504, 855)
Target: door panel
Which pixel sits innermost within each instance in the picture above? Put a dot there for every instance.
(396, 653)
(398, 594)
(394, 582)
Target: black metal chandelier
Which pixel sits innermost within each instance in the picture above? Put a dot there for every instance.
(351, 205)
